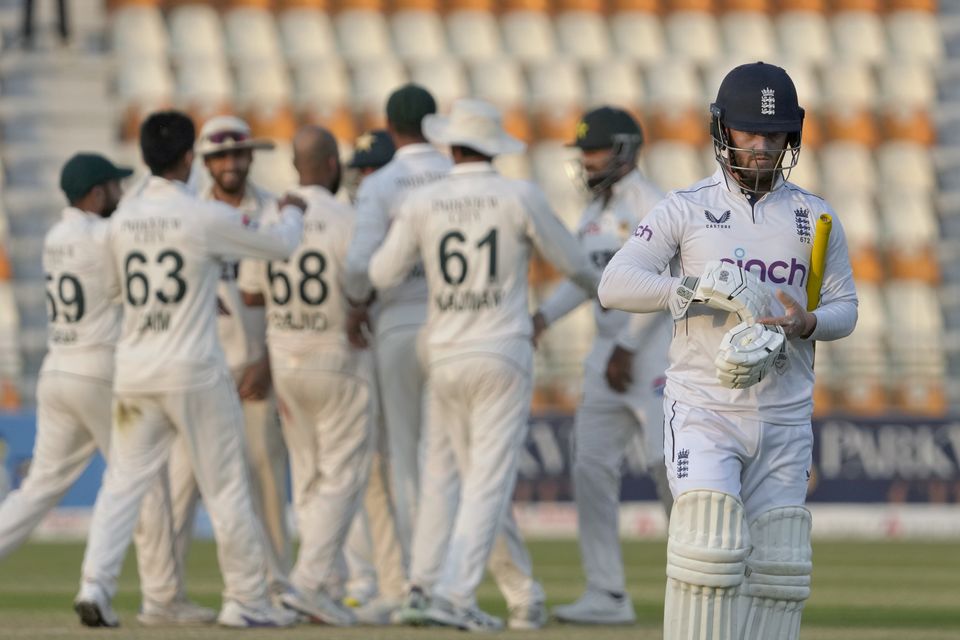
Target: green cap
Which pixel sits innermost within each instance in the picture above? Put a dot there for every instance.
(407, 106)
(84, 171)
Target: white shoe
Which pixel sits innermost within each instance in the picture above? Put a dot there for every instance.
(179, 612)
(93, 607)
(413, 611)
(236, 614)
(597, 607)
(444, 613)
(528, 617)
(318, 607)
(378, 612)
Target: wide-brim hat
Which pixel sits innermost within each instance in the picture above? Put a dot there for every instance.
(475, 124)
(226, 133)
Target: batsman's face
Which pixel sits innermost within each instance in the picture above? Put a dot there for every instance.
(229, 169)
(756, 156)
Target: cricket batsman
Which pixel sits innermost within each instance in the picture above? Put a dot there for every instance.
(739, 393)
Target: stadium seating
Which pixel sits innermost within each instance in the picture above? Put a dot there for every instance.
(872, 75)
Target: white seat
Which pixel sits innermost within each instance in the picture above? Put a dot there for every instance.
(909, 221)
(804, 35)
(693, 36)
(863, 350)
(252, 35)
(848, 87)
(307, 35)
(205, 82)
(673, 85)
(196, 33)
(907, 85)
(748, 33)
(443, 77)
(138, 31)
(499, 81)
(322, 84)
(807, 172)
(362, 35)
(906, 165)
(847, 166)
(639, 36)
(915, 36)
(859, 36)
(556, 85)
(916, 328)
(146, 83)
(583, 35)
(263, 84)
(614, 82)
(473, 35)
(673, 165)
(374, 81)
(861, 224)
(528, 35)
(418, 34)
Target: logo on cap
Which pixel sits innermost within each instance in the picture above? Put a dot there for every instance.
(364, 142)
(768, 104)
(582, 129)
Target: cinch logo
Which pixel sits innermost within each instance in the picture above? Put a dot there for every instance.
(643, 231)
(777, 272)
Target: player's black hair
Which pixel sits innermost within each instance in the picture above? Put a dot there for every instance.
(165, 137)
(470, 153)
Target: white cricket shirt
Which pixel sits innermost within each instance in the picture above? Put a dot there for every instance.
(714, 220)
(603, 229)
(474, 231)
(168, 250)
(82, 306)
(306, 308)
(380, 193)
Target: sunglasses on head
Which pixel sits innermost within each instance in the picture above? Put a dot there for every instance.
(222, 136)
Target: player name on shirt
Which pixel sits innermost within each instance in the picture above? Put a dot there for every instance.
(418, 180)
(468, 300)
(286, 320)
(150, 230)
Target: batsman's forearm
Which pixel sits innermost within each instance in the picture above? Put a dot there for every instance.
(835, 320)
(629, 288)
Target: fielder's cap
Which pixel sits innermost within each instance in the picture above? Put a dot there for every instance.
(475, 124)
(372, 149)
(597, 129)
(758, 97)
(84, 171)
(408, 105)
(225, 133)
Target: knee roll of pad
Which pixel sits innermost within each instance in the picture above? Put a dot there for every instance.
(708, 540)
(781, 562)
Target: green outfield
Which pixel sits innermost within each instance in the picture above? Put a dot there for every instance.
(862, 591)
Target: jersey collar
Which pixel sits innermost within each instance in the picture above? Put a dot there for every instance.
(468, 168)
(73, 213)
(415, 148)
(733, 187)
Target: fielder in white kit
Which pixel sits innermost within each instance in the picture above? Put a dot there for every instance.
(168, 250)
(624, 372)
(474, 231)
(75, 392)
(738, 403)
(324, 384)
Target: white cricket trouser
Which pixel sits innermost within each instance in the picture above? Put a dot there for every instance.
(144, 428)
(479, 410)
(401, 381)
(604, 426)
(327, 423)
(765, 465)
(267, 458)
(373, 553)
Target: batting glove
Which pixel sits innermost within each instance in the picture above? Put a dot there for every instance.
(747, 353)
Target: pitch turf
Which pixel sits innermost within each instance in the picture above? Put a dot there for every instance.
(861, 591)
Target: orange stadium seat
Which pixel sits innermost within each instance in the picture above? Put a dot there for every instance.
(527, 30)
(850, 96)
(205, 88)
(500, 81)
(861, 223)
(373, 82)
(675, 107)
(637, 30)
(143, 86)
(9, 396)
(323, 97)
(556, 98)
(472, 30)
(6, 271)
(908, 93)
(803, 30)
(912, 231)
(582, 30)
(692, 30)
(418, 30)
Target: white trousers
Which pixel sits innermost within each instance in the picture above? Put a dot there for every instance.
(266, 456)
(327, 423)
(765, 465)
(604, 427)
(478, 419)
(73, 421)
(208, 420)
(401, 381)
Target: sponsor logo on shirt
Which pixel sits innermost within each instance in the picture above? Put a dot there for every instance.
(792, 273)
(644, 232)
(717, 222)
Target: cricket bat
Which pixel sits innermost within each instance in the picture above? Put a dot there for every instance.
(818, 260)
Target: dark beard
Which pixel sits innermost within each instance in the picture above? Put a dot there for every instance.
(335, 180)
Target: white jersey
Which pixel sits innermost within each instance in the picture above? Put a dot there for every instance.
(604, 227)
(169, 249)
(714, 220)
(474, 230)
(306, 309)
(82, 305)
(241, 328)
(404, 303)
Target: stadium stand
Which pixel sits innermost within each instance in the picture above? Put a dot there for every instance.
(879, 79)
